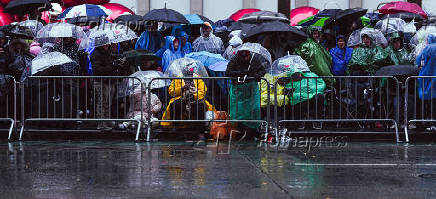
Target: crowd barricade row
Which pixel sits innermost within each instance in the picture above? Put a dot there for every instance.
(420, 102)
(8, 101)
(73, 101)
(192, 102)
(362, 100)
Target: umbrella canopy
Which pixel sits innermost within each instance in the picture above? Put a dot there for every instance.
(45, 61)
(238, 14)
(56, 30)
(86, 20)
(313, 21)
(398, 70)
(406, 16)
(165, 15)
(255, 48)
(34, 25)
(346, 16)
(85, 10)
(219, 66)
(196, 19)
(17, 31)
(131, 19)
(275, 26)
(288, 64)
(390, 25)
(146, 78)
(302, 13)
(263, 16)
(136, 56)
(206, 58)
(376, 35)
(107, 34)
(186, 67)
(22, 7)
(401, 6)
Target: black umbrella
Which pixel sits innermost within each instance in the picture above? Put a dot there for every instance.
(17, 31)
(241, 26)
(264, 16)
(27, 6)
(398, 70)
(406, 16)
(345, 16)
(275, 26)
(131, 19)
(166, 15)
(328, 12)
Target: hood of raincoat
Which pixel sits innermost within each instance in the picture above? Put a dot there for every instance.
(183, 34)
(170, 44)
(340, 57)
(431, 39)
(149, 41)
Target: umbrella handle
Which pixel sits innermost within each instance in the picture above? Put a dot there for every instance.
(239, 79)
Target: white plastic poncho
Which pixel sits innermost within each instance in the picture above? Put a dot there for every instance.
(376, 35)
(419, 41)
(212, 44)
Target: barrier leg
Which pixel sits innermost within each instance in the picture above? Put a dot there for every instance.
(138, 131)
(22, 131)
(11, 128)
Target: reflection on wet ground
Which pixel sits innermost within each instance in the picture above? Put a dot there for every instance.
(115, 169)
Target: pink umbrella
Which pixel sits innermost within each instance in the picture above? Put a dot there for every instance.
(302, 13)
(401, 6)
(117, 10)
(238, 14)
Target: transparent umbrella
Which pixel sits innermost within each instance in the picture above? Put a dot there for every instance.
(56, 30)
(186, 67)
(45, 61)
(33, 25)
(256, 48)
(107, 33)
(288, 64)
(129, 85)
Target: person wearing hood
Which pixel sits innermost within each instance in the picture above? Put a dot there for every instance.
(19, 58)
(316, 56)
(208, 41)
(185, 46)
(427, 86)
(172, 53)
(234, 43)
(397, 54)
(150, 39)
(367, 58)
(341, 55)
(244, 92)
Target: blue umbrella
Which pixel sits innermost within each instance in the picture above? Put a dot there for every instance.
(196, 19)
(219, 66)
(206, 58)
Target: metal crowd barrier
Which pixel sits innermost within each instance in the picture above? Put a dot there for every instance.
(181, 107)
(78, 99)
(8, 101)
(352, 99)
(420, 103)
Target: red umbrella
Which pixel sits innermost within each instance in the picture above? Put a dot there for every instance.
(98, 2)
(117, 10)
(302, 13)
(238, 14)
(401, 6)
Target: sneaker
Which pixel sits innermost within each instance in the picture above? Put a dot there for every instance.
(317, 126)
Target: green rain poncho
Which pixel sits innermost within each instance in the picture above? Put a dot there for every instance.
(369, 59)
(316, 56)
(305, 89)
(397, 57)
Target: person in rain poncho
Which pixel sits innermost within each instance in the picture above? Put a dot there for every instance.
(188, 99)
(150, 39)
(139, 110)
(172, 53)
(316, 56)
(234, 43)
(19, 58)
(427, 86)
(367, 58)
(341, 55)
(208, 41)
(397, 54)
(244, 92)
(185, 46)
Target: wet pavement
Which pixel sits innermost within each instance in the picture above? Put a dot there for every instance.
(118, 169)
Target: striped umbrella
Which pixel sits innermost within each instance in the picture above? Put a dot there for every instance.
(85, 10)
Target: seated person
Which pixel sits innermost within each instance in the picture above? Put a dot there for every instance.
(397, 54)
(188, 100)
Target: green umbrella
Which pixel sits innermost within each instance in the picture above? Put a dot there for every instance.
(319, 22)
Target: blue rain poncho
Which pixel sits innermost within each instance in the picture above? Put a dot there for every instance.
(149, 41)
(427, 86)
(187, 48)
(340, 58)
(170, 54)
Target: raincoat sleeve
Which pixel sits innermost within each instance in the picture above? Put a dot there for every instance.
(201, 89)
(175, 88)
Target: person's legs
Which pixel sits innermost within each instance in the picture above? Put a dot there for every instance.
(103, 99)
